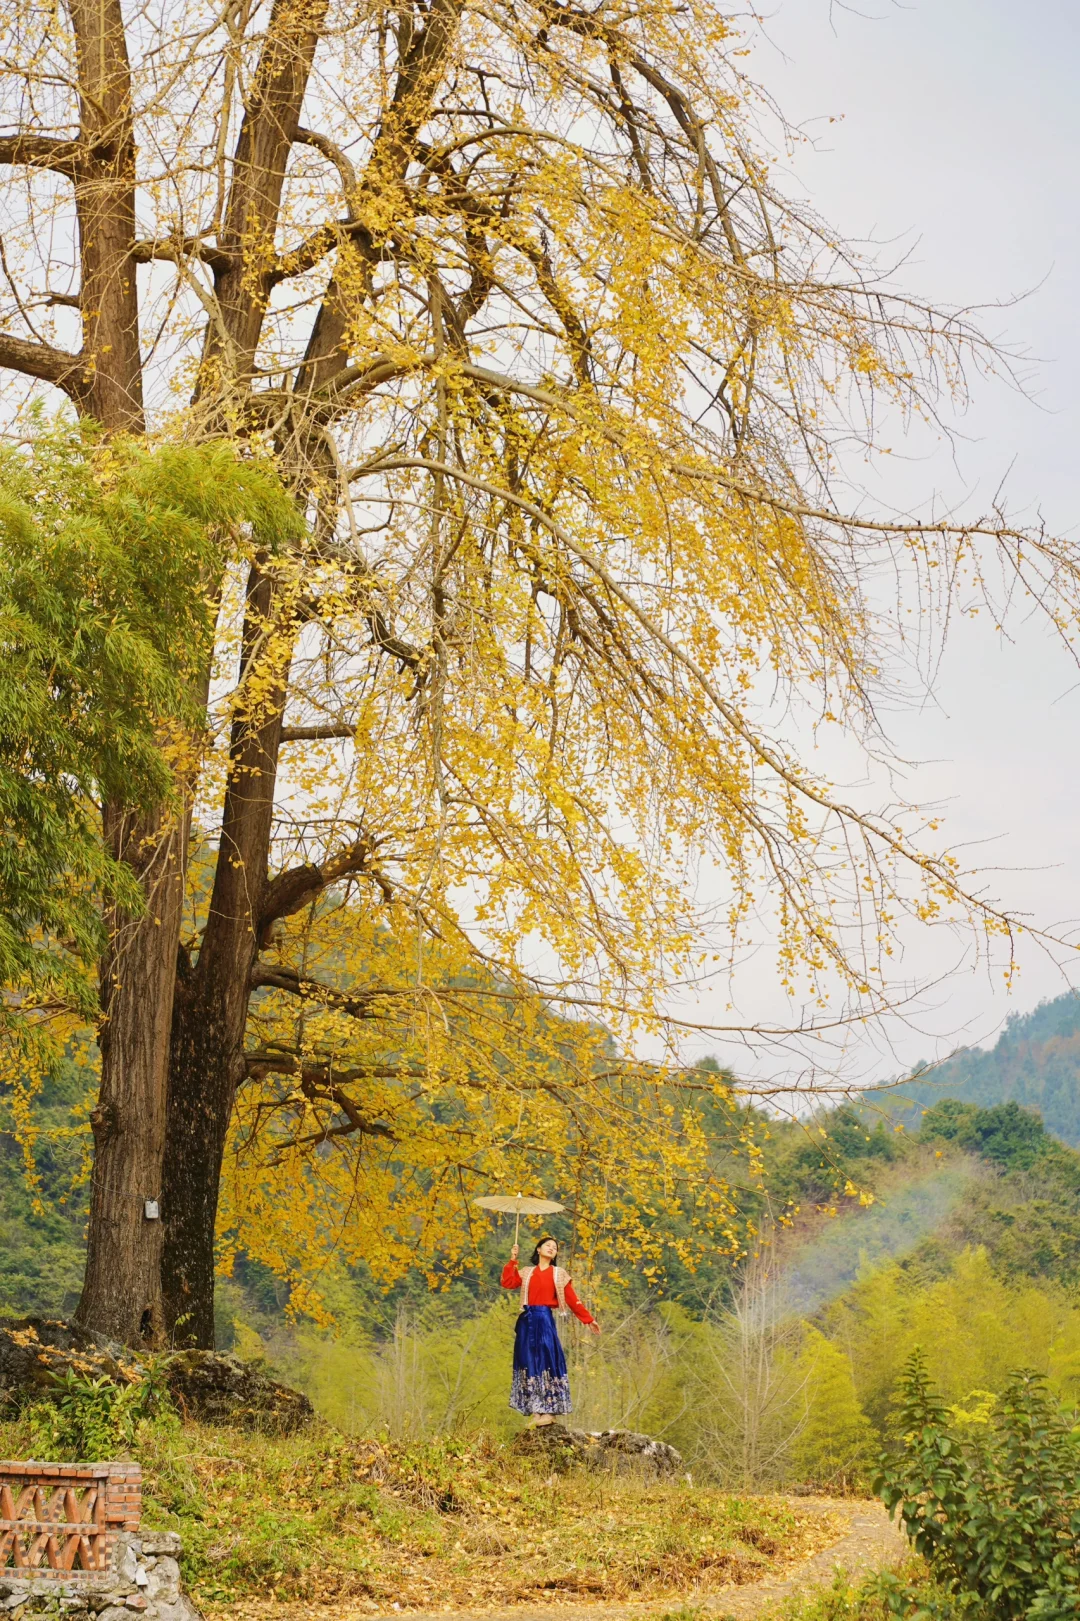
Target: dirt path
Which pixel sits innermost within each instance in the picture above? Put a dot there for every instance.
(870, 1542)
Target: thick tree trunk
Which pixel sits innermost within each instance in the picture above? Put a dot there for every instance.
(210, 1010)
(211, 1005)
(122, 1290)
(206, 1065)
(122, 1287)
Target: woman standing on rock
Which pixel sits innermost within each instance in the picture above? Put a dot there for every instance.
(540, 1388)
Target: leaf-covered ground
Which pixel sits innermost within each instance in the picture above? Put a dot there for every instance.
(322, 1518)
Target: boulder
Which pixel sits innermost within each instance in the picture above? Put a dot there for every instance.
(617, 1451)
(220, 1389)
(35, 1351)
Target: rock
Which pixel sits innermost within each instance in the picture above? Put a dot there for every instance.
(163, 1582)
(618, 1451)
(126, 1564)
(204, 1384)
(33, 1350)
(223, 1390)
(182, 1610)
(162, 1542)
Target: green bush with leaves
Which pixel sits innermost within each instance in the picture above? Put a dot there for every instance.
(991, 1504)
(91, 1420)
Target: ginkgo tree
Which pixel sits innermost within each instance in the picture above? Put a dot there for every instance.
(558, 380)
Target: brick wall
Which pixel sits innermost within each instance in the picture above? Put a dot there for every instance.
(62, 1519)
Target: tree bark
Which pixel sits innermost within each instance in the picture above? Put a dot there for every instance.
(104, 175)
(206, 1060)
(121, 1294)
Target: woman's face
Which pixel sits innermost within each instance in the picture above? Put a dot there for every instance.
(549, 1249)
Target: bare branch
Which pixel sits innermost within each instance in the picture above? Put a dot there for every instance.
(324, 1073)
(334, 154)
(40, 152)
(189, 247)
(291, 891)
(357, 1004)
(41, 360)
(304, 734)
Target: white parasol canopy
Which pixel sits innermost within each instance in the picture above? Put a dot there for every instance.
(518, 1204)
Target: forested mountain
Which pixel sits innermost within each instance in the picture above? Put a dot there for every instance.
(1035, 1062)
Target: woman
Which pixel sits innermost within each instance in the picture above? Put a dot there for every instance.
(540, 1387)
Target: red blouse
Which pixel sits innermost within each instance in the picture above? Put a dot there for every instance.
(542, 1289)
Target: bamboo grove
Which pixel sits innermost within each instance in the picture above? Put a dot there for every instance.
(557, 381)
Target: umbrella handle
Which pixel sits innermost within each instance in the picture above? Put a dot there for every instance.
(517, 1224)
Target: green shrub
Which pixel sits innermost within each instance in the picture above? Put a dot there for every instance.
(992, 1505)
(92, 1420)
(879, 1596)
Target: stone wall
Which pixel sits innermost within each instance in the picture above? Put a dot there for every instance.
(71, 1544)
(141, 1584)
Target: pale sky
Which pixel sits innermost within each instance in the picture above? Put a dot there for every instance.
(958, 142)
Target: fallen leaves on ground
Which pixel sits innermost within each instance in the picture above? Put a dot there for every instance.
(293, 1526)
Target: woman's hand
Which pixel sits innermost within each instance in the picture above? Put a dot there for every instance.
(514, 1252)
(594, 1328)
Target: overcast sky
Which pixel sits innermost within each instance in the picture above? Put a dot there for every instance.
(957, 141)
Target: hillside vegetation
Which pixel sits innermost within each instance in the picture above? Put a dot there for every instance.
(1035, 1062)
(318, 1518)
(958, 1233)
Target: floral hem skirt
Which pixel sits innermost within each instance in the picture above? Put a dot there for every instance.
(540, 1383)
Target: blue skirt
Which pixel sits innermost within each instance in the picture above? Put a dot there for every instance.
(540, 1383)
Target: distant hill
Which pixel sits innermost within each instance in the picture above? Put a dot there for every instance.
(1035, 1062)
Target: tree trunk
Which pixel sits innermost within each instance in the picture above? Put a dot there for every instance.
(121, 1295)
(206, 1060)
(205, 1063)
(210, 1010)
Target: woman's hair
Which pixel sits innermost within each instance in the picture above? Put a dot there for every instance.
(547, 1237)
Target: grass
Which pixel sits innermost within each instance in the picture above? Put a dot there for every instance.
(321, 1518)
(874, 1598)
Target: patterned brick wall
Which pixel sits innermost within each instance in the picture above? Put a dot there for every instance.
(62, 1519)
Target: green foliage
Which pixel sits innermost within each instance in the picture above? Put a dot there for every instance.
(110, 561)
(993, 1507)
(91, 1420)
(878, 1596)
(813, 1164)
(1006, 1134)
(972, 1326)
(835, 1445)
(43, 1216)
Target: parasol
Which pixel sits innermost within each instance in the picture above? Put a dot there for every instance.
(518, 1204)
